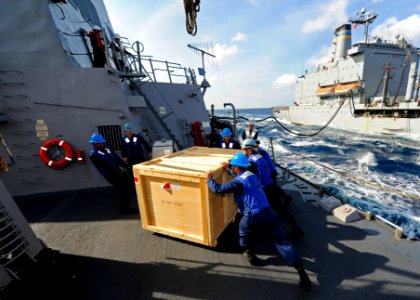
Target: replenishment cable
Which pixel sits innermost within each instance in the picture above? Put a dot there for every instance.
(289, 130)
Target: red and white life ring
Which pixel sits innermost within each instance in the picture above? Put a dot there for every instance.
(59, 164)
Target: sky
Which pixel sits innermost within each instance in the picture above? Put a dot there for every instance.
(261, 46)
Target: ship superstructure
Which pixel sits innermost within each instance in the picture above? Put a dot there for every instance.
(371, 86)
(50, 91)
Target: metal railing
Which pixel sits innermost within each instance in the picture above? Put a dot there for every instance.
(155, 70)
(138, 65)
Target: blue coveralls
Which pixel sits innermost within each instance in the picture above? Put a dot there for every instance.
(278, 199)
(263, 169)
(133, 149)
(108, 164)
(270, 163)
(257, 215)
(233, 144)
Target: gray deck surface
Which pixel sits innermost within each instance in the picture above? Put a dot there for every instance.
(106, 255)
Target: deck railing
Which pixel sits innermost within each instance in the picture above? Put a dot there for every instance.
(156, 70)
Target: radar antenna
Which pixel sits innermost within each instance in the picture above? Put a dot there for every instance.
(363, 17)
(204, 49)
(211, 58)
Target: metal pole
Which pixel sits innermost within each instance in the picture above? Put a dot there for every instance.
(202, 62)
(138, 56)
(234, 117)
(272, 150)
(385, 90)
(106, 48)
(153, 70)
(169, 72)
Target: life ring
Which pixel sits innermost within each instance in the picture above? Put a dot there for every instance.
(47, 159)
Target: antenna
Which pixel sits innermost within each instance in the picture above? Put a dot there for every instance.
(209, 51)
(363, 17)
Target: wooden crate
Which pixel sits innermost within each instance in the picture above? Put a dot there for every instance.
(188, 209)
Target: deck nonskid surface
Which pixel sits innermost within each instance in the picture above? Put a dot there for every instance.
(106, 255)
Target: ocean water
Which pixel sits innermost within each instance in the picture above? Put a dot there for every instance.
(390, 164)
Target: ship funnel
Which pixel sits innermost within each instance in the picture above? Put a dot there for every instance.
(342, 41)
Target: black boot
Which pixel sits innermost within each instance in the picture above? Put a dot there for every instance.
(250, 257)
(305, 283)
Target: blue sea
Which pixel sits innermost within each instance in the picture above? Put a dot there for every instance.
(390, 163)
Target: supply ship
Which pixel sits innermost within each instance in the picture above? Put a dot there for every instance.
(369, 87)
(61, 233)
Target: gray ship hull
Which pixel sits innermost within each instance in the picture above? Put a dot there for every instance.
(319, 115)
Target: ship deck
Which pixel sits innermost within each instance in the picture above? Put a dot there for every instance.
(101, 254)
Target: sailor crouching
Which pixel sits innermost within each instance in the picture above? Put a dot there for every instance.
(257, 215)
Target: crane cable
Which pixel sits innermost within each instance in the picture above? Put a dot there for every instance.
(192, 7)
(362, 180)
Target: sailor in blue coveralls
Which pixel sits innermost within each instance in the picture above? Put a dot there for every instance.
(257, 215)
(113, 168)
(270, 163)
(278, 200)
(133, 146)
(227, 140)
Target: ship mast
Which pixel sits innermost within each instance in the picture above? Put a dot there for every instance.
(363, 17)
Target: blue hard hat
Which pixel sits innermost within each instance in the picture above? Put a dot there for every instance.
(226, 132)
(239, 160)
(128, 127)
(249, 143)
(97, 138)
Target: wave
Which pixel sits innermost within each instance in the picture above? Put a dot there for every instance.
(389, 163)
(367, 160)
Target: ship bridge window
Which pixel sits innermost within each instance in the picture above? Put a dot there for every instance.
(112, 135)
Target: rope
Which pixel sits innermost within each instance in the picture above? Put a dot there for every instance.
(192, 7)
(362, 180)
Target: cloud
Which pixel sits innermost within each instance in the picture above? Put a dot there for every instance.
(224, 51)
(240, 37)
(286, 84)
(255, 2)
(409, 28)
(331, 14)
(284, 81)
(321, 57)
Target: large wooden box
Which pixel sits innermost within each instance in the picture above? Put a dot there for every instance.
(174, 198)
